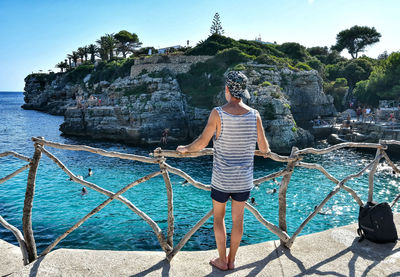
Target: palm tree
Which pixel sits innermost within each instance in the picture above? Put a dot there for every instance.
(66, 64)
(81, 52)
(102, 49)
(93, 50)
(111, 44)
(74, 57)
(86, 51)
(69, 60)
(62, 65)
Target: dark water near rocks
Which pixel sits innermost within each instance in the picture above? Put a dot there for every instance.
(58, 203)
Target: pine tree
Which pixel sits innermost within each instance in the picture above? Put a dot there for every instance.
(216, 27)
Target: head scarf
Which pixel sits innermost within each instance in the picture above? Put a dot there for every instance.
(237, 83)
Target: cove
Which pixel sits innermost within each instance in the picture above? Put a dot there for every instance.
(58, 203)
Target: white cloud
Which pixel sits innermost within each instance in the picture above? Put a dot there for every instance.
(310, 1)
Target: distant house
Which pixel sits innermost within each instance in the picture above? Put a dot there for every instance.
(163, 50)
(258, 39)
(78, 62)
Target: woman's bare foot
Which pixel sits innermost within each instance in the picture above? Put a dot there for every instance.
(221, 265)
(231, 265)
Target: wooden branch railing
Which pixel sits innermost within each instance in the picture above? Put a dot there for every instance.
(15, 154)
(17, 233)
(27, 243)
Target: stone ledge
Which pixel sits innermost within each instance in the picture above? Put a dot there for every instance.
(10, 258)
(332, 252)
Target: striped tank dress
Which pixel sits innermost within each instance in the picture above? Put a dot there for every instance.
(234, 152)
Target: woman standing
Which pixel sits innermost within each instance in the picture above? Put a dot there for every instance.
(236, 129)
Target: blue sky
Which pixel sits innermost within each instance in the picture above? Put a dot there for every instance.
(36, 35)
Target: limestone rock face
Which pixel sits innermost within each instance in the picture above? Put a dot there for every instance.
(137, 110)
(51, 96)
(303, 88)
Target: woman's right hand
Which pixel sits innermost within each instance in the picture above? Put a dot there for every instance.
(182, 149)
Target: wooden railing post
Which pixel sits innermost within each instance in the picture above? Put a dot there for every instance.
(28, 204)
(282, 193)
(371, 175)
(168, 186)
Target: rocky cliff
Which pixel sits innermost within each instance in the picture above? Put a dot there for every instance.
(303, 88)
(137, 109)
(49, 93)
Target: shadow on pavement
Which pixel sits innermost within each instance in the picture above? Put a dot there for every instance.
(35, 267)
(256, 266)
(365, 250)
(164, 264)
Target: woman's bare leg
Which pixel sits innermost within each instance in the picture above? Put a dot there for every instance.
(237, 231)
(220, 235)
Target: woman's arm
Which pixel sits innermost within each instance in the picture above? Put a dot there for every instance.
(205, 137)
(262, 141)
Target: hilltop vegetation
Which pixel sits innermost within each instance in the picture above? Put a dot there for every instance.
(369, 80)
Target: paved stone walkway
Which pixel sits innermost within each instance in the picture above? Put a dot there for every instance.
(334, 252)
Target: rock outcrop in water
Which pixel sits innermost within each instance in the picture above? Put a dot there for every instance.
(136, 110)
(49, 93)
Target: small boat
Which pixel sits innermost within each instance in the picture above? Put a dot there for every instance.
(336, 139)
(321, 131)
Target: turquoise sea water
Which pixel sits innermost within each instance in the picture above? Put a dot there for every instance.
(58, 203)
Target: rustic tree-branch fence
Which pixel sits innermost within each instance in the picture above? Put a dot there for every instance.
(27, 241)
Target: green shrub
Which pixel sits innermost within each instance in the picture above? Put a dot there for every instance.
(139, 89)
(266, 84)
(215, 43)
(111, 70)
(76, 75)
(316, 64)
(383, 83)
(212, 45)
(294, 51)
(295, 69)
(232, 56)
(239, 67)
(286, 105)
(360, 91)
(269, 49)
(205, 79)
(353, 70)
(273, 60)
(294, 128)
(250, 49)
(337, 89)
(303, 66)
(265, 59)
